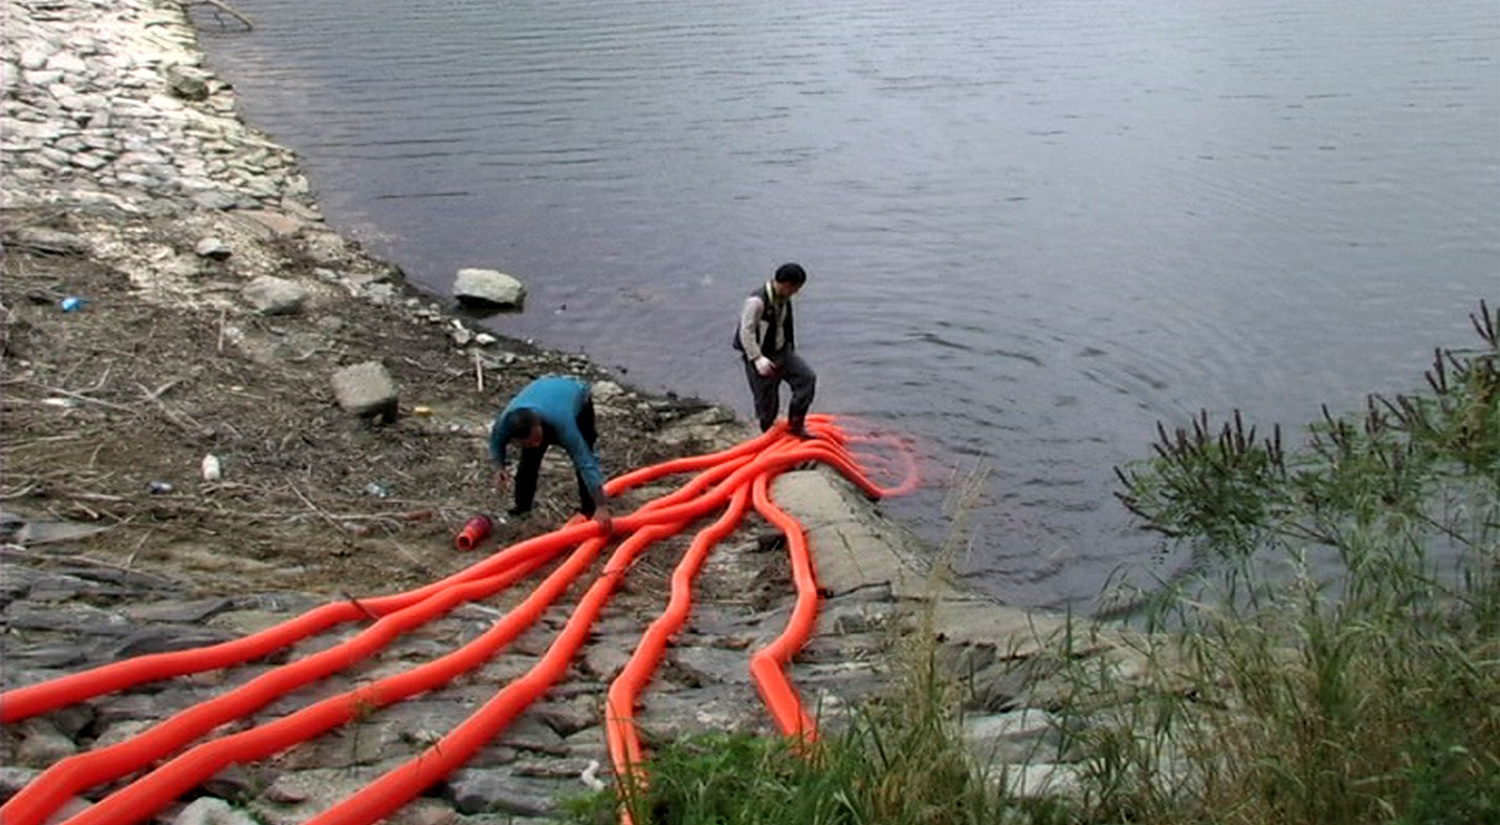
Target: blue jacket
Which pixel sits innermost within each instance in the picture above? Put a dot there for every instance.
(557, 400)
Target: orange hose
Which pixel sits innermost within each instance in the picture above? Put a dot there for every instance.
(620, 732)
(726, 480)
(767, 664)
(394, 789)
(39, 799)
(25, 702)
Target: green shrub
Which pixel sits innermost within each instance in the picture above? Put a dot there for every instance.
(1296, 696)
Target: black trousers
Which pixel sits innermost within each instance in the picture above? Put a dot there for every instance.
(766, 391)
(531, 463)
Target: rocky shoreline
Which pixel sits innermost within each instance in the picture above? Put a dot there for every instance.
(215, 311)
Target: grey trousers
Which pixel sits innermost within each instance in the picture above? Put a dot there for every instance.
(766, 391)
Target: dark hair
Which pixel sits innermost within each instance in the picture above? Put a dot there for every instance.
(523, 421)
(791, 273)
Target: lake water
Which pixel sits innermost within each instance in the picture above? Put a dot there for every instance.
(1033, 229)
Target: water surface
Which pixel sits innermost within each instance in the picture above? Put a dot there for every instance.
(1033, 229)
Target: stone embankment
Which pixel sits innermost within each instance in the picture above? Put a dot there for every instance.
(111, 118)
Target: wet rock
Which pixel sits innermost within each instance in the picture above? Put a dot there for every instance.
(489, 287)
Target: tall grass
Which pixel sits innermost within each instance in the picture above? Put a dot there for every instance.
(1289, 695)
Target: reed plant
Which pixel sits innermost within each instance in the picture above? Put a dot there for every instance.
(1335, 659)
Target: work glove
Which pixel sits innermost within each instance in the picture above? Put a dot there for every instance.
(765, 366)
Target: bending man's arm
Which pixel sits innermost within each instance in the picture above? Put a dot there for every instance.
(585, 461)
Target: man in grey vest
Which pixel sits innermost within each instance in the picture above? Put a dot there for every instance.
(767, 339)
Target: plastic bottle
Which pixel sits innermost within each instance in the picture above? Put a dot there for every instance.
(212, 469)
(475, 531)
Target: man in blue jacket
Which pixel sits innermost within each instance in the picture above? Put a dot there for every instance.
(551, 410)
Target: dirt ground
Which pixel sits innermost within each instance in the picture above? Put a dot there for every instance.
(105, 405)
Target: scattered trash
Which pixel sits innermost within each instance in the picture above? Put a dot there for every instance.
(376, 489)
(72, 303)
(590, 776)
(424, 411)
(475, 531)
(212, 469)
(157, 488)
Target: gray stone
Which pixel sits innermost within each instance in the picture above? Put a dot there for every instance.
(278, 224)
(567, 717)
(294, 798)
(34, 55)
(51, 241)
(711, 665)
(47, 533)
(13, 778)
(42, 744)
(1040, 780)
(489, 286)
(425, 811)
(67, 63)
(190, 612)
(366, 389)
(206, 810)
(1027, 735)
(604, 658)
(500, 791)
(216, 199)
(361, 742)
(275, 296)
(666, 717)
(50, 658)
(235, 781)
(164, 639)
(213, 248)
(532, 734)
(129, 707)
